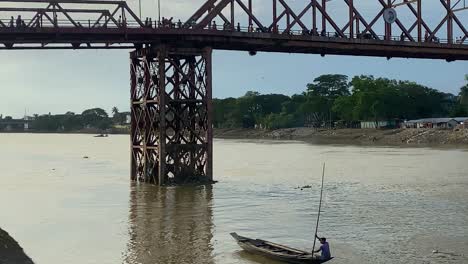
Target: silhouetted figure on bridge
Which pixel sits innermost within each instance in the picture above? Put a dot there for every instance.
(323, 33)
(12, 22)
(179, 24)
(167, 22)
(18, 21)
(276, 29)
(214, 27)
(315, 32)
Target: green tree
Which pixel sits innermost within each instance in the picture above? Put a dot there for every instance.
(463, 96)
(226, 113)
(329, 85)
(344, 107)
(97, 118)
(115, 111)
(321, 95)
(459, 111)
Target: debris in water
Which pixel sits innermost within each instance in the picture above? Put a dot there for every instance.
(85, 157)
(304, 187)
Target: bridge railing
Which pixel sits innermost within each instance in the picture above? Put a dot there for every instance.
(88, 15)
(315, 16)
(88, 24)
(70, 13)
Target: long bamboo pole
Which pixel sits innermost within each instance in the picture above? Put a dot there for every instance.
(320, 208)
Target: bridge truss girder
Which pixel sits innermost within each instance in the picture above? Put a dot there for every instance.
(171, 111)
(315, 15)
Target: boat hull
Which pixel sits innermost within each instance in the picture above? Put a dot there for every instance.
(275, 251)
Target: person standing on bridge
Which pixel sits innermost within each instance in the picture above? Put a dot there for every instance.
(12, 22)
(18, 21)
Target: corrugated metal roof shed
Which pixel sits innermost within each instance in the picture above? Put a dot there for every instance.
(437, 120)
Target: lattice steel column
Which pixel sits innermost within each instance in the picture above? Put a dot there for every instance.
(171, 131)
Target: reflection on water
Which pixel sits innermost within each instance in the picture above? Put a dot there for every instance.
(170, 225)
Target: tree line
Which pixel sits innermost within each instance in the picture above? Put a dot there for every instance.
(95, 118)
(330, 100)
(334, 99)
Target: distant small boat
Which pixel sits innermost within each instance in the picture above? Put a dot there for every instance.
(276, 251)
(101, 135)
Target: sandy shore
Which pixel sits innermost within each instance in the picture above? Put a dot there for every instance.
(377, 137)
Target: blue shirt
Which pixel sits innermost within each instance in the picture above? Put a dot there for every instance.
(325, 249)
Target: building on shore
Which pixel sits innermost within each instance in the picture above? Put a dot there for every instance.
(9, 124)
(381, 124)
(464, 124)
(441, 123)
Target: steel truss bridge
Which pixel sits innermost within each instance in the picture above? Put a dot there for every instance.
(171, 66)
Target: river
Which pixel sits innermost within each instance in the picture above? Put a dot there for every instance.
(381, 205)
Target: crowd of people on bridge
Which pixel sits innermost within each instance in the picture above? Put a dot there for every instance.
(19, 22)
(168, 23)
(227, 26)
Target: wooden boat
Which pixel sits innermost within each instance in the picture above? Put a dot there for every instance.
(280, 252)
(276, 251)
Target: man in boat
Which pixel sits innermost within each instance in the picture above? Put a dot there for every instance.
(324, 249)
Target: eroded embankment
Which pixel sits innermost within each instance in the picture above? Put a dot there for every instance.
(382, 137)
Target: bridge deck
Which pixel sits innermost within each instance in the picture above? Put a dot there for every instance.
(89, 24)
(118, 38)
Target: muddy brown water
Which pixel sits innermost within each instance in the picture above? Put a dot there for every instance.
(381, 205)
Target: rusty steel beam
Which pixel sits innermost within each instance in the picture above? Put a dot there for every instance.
(171, 133)
(224, 11)
(242, 41)
(93, 2)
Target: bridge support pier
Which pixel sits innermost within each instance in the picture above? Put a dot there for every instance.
(171, 112)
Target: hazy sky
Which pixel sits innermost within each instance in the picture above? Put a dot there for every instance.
(59, 81)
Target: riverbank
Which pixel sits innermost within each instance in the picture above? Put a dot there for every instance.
(371, 137)
(10, 251)
(365, 137)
